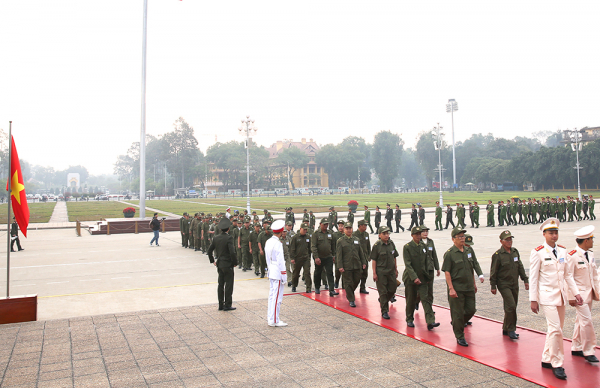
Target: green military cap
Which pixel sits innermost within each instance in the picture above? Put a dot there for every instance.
(185, 213)
(266, 221)
(234, 220)
(291, 208)
(424, 228)
(340, 221)
(310, 211)
(469, 239)
(325, 220)
(362, 222)
(506, 234)
(383, 229)
(304, 226)
(305, 210)
(415, 230)
(456, 231)
(247, 219)
(289, 223)
(331, 208)
(469, 203)
(348, 225)
(210, 214)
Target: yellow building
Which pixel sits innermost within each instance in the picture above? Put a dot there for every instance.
(309, 176)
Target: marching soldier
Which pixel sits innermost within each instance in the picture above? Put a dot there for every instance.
(398, 218)
(438, 216)
(433, 264)
(584, 208)
(490, 214)
(591, 205)
(580, 264)
(350, 262)
(578, 209)
(336, 234)
(385, 269)
(322, 247)
(367, 218)
(449, 216)
(311, 216)
(365, 243)
(389, 216)
(289, 234)
(471, 214)
(421, 215)
(332, 216)
(525, 211)
(377, 217)
(226, 260)
(460, 215)
(184, 227)
(243, 245)
(306, 217)
(350, 216)
(504, 277)
(475, 219)
(547, 292)
(413, 217)
(255, 250)
(416, 278)
(459, 263)
(300, 254)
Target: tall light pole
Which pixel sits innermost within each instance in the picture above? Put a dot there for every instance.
(452, 106)
(438, 143)
(143, 130)
(576, 146)
(247, 129)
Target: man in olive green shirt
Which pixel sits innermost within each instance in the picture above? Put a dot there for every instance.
(184, 227)
(365, 243)
(300, 256)
(311, 224)
(491, 222)
(475, 212)
(323, 249)
(459, 263)
(350, 261)
(433, 264)
(242, 244)
(438, 216)
(262, 241)
(415, 278)
(367, 218)
(289, 233)
(254, 250)
(336, 234)
(385, 269)
(504, 276)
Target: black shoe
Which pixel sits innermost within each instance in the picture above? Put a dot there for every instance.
(244, 269)
(333, 293)
(410, 324)
(262, 275)
(462, 342)
(393, 299)
(417, 306)
(12, 250)
(430, 326)
(293, 289)
(559, 373)
(364, 291)
(196, 250)
(256, 273)
(513, 335)
(577, 353)
(221, 307)
(546, 365)
(22, 249)
(352, 304)
(240, 266)
(385, 315)
(468, 323)
(591, 358)
(336, 285)
(317, 290)
(289, 284)
(229, 309)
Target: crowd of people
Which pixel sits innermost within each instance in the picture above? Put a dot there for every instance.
(558, 277)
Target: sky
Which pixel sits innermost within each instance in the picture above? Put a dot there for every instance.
(70, 71)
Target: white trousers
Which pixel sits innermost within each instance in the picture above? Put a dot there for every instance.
(584, 337)
(275, 296)
(553, 349)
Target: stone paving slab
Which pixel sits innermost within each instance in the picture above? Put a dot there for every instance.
(202, 347)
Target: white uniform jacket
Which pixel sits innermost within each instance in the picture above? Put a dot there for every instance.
(548, 281)
(585, 275)
(275, 259)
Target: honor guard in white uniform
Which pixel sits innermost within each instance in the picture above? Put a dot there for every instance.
(277, 273)
(548, 285)
(582, 266)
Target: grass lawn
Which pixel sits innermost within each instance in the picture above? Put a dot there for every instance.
(38, 212)
(97, 210)
(321, 203)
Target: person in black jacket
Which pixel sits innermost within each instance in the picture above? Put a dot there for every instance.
(226, 261)
(14, 236)
(377, 219)
(398, 218)
(389, 216)
(449, 217)
(155, 225)
(414, 217)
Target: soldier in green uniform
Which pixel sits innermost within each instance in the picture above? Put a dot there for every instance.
(438, 216)
(458, 266)
(198, 234)
(222, 245)
(515, 210)
(350, 216)
(192, 231)
(322, 247)
(416, 277)
(336, 234)
(592, 204)
(367, 218)
(184, 227)
(305, 217)
(243, 244)
(504, 276)
(350, 261)
(311, 224)
(262, 241)
(503, 214)
(433, 264)
(205, 228)
(476, 214)
(578, 209)
(490, 214)
(255, 218)
(460, 213)
(289, 234)
(14, 234)
(286, 251)
(332, 216)
(422, 215)
(300, 255)
(471, 214)
(254, 250)
(525, 210)
(385, 269)
(365, 243)
(289, 216)
(570, 208)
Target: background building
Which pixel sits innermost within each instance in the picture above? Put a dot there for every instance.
(310, 175)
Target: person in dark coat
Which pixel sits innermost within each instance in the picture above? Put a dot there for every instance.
(14, 236)
(226, 260)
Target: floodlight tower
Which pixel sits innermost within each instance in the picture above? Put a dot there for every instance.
(247, 128)
(451, 107)
(576, 146)
(438, 142)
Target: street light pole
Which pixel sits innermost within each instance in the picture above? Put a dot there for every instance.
(248, 128)
(452, 106)
(437, 143)
(576, 136)
(143, 130)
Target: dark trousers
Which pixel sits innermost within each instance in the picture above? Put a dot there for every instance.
(462, 310)
(421, 220)
(298, 266)
(377, 226)
(411, 290)
(191, 240)
(327, 267)
(398, 226)
(438, 223)
(363, 277)
(370, 227)
(225, 287)
(12, 244)
(510, 296)
(449, 221)
(246, 257)
(386, 287)
(389, 225)
(184, 239)
(351, 280)
(413, 222)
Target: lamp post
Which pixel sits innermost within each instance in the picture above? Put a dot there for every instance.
(452, 106)
(438, 144)
(246, 128)
(576, 146)
(143, 129)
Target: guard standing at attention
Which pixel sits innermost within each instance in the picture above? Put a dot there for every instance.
(582, 266)
(389, 216)
(385, 269)
(350, 216)
(475, 219)
(548, 284)
(184, 227)
(363, 236)
(504, 276)
(367, 218)
(242, 244)
(421, 215)
(255, 251)
(398, 218)
(350, 261)
(226, 260)
(277, 275)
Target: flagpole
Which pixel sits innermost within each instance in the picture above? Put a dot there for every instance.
(8, 211)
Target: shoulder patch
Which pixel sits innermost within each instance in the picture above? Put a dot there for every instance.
(561, 246)
(573, 252)
(539, 248)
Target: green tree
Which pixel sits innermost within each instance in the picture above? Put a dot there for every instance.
(293, 157)
(387, 158)
(183, 148)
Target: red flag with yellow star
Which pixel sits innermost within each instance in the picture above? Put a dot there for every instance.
(17, 191)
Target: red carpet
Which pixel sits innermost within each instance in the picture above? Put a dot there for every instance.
(487, 345)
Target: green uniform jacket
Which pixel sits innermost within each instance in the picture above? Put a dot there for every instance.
(286, 248)
(432, 259)
(306, 218)
(438, 212)
(367, 216)
(336, 236)
(254, 241)
(332, 218)
(312, 221)
(234, 232)
(461, 266)
(14, 229)
(222, 245)
(415, 263)
(506, 269)
(351, 217)
(198, 230)
(349, 254)
(193, 226)
(490, 208)
(300, 247)
(245, 235)
(365, 243)
(322, 244)
(475, 211)
(184, 225)
(205, 227)
(385, 256)
(262, 239)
